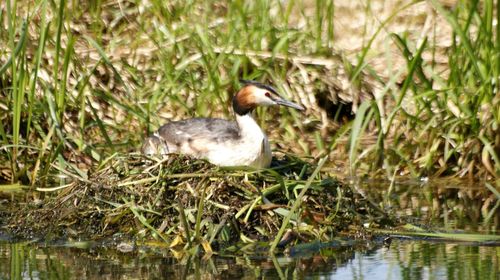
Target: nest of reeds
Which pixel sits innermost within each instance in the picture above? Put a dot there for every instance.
(192, 199)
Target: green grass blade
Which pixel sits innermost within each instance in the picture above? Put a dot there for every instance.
(356, 133)
(44, 29)
(462, 237)
(296, 204)
(17, 49)
(464, 38)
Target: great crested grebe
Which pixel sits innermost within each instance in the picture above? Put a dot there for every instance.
(222, 142)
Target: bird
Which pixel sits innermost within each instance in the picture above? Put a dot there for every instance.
(239, 142)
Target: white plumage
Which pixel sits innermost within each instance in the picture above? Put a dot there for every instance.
(222, 142)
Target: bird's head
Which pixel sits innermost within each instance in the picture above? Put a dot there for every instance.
(254, 94)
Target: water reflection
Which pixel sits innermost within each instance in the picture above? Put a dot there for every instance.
(440, 203)
(453, 207)
(402, 259)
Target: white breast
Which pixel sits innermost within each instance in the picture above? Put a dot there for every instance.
(251, 149)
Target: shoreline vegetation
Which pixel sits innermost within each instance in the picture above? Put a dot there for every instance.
(82, 84)
(190, 206)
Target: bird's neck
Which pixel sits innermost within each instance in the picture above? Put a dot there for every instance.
(248, 126)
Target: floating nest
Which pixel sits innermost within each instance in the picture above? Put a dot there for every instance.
(186, 199)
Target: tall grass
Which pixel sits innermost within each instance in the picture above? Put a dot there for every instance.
(445, 123)
(102, 75)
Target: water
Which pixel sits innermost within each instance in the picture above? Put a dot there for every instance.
(437, 206)
(401, 259)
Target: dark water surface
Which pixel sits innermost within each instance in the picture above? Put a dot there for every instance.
(402, 259)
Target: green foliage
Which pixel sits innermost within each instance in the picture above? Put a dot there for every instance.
(444, 123)
(79, 82)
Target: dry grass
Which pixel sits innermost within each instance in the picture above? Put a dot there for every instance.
(190, 200)
(121, 69)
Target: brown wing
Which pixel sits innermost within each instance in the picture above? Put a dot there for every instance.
(185, 131)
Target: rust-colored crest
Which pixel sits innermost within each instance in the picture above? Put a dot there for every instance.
(244, 100)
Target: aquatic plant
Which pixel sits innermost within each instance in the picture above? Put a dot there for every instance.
(192, 205)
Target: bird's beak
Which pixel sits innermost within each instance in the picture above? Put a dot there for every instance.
(287, 103)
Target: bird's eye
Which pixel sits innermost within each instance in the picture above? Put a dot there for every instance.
(268, 94)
